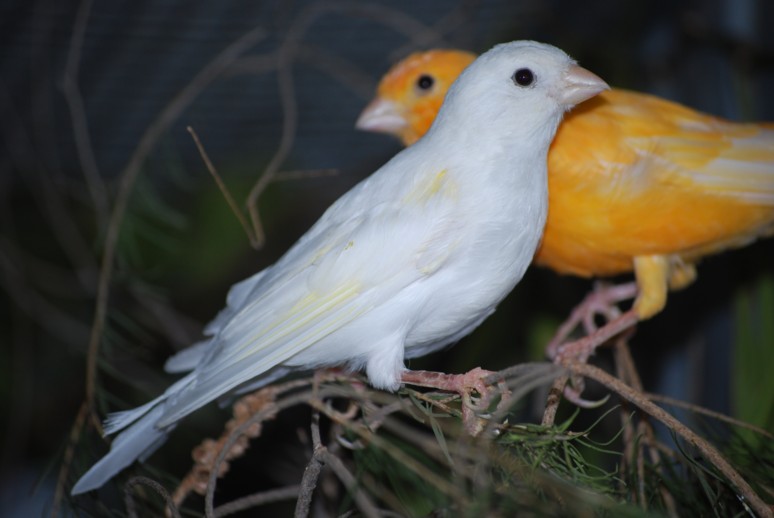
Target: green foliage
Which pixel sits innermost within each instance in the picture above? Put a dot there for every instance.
(752, 382)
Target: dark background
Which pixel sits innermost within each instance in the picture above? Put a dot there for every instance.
(180, 248)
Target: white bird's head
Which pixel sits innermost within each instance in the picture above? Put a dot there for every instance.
(516, 90)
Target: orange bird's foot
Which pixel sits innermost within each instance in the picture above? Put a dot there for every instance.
(601, 301)
(579, 351)
(464, 384)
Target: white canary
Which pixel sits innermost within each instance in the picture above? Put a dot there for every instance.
(408, 261)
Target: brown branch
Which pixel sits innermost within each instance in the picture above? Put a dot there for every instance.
(80, 124)
(128, 176)
(706, 449)
(361, 498)
(626, 370)
(24, 155)
(710, 413)
(311, 471)
(131, 508)
(398, 454)
(256, 500)
(223, 189)
(553, 400)
(67, 459)
(286, 56)
(321, 456)
(328, 63)
(235, 436)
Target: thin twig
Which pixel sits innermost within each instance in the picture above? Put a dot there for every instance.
(239, 431)
(706, 449)
(67, 458)
(131, 507)
(223, 189)
(286, 56)
(361, 498)
(311, 472)
(627, 370)
(706, 411)
(128, 177)
(553, 399)
(81, 134)
(256, 500)
(398, 454)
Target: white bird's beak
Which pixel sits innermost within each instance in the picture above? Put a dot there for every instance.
(381, 116)
(579, 84)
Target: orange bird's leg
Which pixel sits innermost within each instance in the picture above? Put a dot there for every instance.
(601, 301)
(654, 274)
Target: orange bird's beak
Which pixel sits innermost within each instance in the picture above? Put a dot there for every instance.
(381, 116)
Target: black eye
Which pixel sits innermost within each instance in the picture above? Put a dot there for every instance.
(523, 77)
(425, 82)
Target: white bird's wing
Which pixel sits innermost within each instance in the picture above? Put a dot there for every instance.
(340, 270)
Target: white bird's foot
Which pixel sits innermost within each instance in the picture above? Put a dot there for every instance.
(464, 385)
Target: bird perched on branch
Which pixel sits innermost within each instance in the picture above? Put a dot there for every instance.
(410, 260)
(636, 184)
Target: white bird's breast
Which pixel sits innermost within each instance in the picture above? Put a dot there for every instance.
(493, 231)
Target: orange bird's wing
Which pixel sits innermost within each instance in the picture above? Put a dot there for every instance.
(640, 183)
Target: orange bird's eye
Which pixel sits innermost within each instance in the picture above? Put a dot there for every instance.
(425, 83)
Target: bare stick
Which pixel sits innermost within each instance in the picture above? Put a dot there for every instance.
(131, 508)
(286, 56)
(257, 499)
(128, 176)
(552, 402)
(710, 413)
(311, 472)
(74, 100)
(67, 459)
(709, 451)
(223, 189)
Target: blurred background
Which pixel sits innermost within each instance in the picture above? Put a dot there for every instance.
(95, 98)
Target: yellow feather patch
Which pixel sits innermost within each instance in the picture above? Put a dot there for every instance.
(312, 306)
(425, 190)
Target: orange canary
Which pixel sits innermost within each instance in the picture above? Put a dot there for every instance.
(636, 183)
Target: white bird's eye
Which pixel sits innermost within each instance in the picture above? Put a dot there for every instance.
(523, 77)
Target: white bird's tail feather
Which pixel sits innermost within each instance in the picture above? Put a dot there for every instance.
(139, 441)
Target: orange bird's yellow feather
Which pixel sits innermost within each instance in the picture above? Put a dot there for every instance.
(636, 183)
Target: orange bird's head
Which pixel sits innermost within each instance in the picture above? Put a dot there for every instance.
(410, 95)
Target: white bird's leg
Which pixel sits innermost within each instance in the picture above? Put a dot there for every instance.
(463, 384)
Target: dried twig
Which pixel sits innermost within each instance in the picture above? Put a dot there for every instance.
(128, 176)
(706, 449)
(223, 189)
(645, 437)
(256, 500)
(67, 459)
(710, 413)
(81, 136)
(131, 508)
(240, 431)
(286, 56)
(311, 471)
